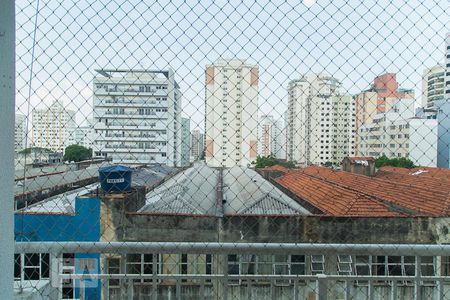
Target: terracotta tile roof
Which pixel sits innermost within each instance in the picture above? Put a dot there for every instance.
(407, 198)
(332, 199)
(276, 168)
(419, 172)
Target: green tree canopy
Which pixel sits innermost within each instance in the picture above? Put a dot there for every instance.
(401, 162)
(77, 153)
(268, 161)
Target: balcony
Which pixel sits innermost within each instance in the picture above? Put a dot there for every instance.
(176, 270)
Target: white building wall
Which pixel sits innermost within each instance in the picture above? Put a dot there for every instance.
(423, 142)
(137, 117)
(231, 113)
(398, 133)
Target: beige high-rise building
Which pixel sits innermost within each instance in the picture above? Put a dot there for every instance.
(433, 85)
(271, 137)
(231, 113)
(197, 144)
(53, 127)
(320, 121)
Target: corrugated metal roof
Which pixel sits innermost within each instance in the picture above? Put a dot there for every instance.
(191, 191)
(247, 192)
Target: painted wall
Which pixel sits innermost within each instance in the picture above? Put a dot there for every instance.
(83, 225)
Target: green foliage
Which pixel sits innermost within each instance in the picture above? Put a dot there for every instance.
(268, 161)
(77, 153)
(401, 162)
(328, 164)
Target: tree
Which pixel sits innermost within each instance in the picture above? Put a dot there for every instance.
(401, 162)
(268, 161)
(77, 153)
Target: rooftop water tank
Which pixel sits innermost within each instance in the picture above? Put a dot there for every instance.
(115, 178)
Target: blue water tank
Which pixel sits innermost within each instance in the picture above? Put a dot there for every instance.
(115, 178)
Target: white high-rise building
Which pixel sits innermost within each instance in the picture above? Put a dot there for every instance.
(399, 133)
(137, 117)
(271, 137)
(231, 117)
(321, 121)
(447, 67)
(53, 127)
(20, 132)
(433, 80)
(83, 135)
(197, 144)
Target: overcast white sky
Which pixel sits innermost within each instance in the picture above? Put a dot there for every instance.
(352, 40)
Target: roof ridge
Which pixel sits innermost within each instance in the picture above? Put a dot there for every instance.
(398, 208)
(265, 196)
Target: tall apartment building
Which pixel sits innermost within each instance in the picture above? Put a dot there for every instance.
(231, 113)
(399, 133)
(137, 116)
(433, 85)
(271, 137)
(53, 127)
(447, 66)
(378, 99)
(20, 132)
(320, 121)
(185, 141)
(197, 144)
(83, 135)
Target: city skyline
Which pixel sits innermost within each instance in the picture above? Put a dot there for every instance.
(295, 46)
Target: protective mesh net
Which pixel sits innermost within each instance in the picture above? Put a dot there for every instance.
(322, 122)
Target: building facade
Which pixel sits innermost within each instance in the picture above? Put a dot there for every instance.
(231, 113)
(53, 127)
(185, 141)
(378, 99)
(271, 137)
(433, 85)
(83, 135)
(320, 121)
(137, 117)
(197, 144)
(20, 133)
(399, 133)
(447, 66)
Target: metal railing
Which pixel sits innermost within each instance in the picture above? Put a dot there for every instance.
(220, 284)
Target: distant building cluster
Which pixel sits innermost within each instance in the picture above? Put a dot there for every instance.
(137, 119)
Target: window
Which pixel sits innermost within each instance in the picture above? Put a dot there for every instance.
(317, 264)
(362, 267)
(114, 268)
(139, 264)
(31, 266)
(344, 264)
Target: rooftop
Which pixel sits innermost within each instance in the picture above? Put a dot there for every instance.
(196, 191)
(339, 193)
